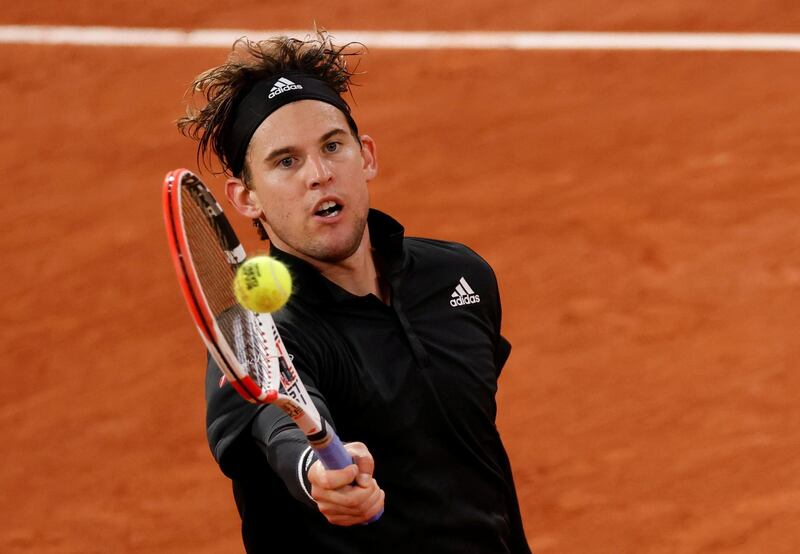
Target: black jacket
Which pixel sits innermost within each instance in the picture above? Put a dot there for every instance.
(415, 381)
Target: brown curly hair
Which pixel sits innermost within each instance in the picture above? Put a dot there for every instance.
(223, 87)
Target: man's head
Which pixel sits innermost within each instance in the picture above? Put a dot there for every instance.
(218, 125)
(275, 118)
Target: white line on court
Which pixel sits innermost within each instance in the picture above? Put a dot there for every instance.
(213, 38)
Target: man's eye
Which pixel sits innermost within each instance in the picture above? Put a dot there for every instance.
(286, 162)
(332, 146)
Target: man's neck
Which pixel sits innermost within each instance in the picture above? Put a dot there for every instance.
(357, 274)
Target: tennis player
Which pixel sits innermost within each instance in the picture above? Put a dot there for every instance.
(397, 339)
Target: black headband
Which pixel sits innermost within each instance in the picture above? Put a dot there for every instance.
(265, 97)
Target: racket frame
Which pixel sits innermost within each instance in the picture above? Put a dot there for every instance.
(287, 390)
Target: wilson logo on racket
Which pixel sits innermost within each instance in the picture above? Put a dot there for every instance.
(463, 294)
(282, 85)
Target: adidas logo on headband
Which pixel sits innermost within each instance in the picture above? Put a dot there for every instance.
(282, 85)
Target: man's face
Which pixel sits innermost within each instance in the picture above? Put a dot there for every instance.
(309, 176)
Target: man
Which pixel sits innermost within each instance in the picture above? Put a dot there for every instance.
(397, 339)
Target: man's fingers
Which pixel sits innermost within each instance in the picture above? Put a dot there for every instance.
(365, 464)
(349, 499)
(360, 508)
(361, 457)
(347, 496)
(332, 479)
(375, 506)
(363, 480)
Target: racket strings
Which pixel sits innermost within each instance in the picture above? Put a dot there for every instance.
(239, 327)
(240, 331)
(260, 370)
(213, 269)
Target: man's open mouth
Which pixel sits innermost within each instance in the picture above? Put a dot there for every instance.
(328, 209)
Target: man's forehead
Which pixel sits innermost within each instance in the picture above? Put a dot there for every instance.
(304, 120)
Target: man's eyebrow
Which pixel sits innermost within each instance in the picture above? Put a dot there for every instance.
(290, 149)
(332, 133)
(279, 152)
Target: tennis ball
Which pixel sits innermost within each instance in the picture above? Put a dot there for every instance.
(262, 284)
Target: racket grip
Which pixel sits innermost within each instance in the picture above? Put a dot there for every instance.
(334, 456)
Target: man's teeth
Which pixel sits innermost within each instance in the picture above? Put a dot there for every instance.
(329, 209)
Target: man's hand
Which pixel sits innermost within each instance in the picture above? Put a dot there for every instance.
(347, 496)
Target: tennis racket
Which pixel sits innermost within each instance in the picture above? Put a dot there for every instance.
(245, 345)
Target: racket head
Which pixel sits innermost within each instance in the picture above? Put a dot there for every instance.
(246, 346)
(206, 252)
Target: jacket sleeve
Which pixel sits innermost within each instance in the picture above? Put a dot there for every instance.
(227, 416)
(285, 446)
(502, 348)
(245, 437)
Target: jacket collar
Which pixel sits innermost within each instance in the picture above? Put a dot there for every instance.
(386, 236)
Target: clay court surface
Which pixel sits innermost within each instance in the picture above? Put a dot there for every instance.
(640, 209)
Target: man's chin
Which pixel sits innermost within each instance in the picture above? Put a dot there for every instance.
(334, 254)
(332, 251)
(329, 246)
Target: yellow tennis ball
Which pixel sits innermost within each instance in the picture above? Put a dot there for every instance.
(262, 284)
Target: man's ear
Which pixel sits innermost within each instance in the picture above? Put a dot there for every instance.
(243, 199)
(369, 153)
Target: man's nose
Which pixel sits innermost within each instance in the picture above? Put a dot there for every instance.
(318, 170)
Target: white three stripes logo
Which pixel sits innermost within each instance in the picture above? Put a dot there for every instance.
(282, 82)
(462, 289)
(282, 85)
(463, 294)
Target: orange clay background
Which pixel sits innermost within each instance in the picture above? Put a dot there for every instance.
(640, 209)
